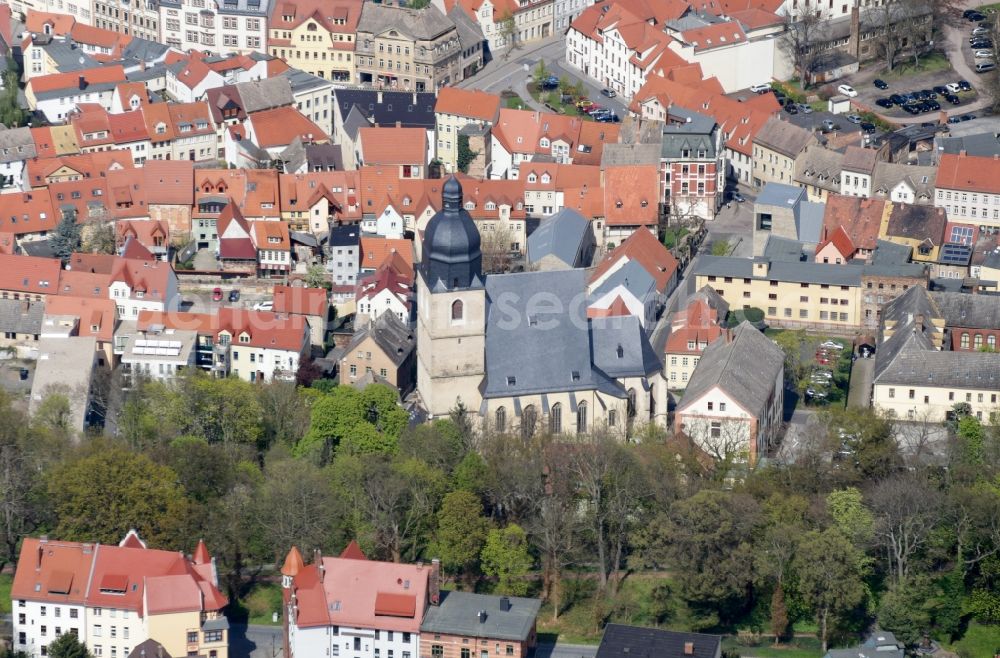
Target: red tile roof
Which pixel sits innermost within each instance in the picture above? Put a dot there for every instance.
(631, 195)
(265, 330)
(841, 242)
(375, 251)
(29, 274)
(860, 218)
(470, 103)
(643, 247)
(969, 173)
(63, 81)
(716, 35)
(280, 127)
(96, 316)
(392, 146)
(28, 212)
(301, 301)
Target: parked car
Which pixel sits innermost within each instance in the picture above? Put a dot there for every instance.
(940, 90)
(234, 295)
(897, 99)
(792, 108)
(883, 102)
(964, 85)
(981, 43)
(595, 109)
(267, 305)
(868, 128)
(980, 31)
(853, 118)
(828, 124)
(761, 88)
(815, 393)
(983, 54)
(551, 82)
(832, 345)
(804, 108)
(933, 106)
(983, 67)
(967, 117)
(954, 120)
(584, 104)
(952, 98)
(610, 93)
(216, 294)
(738, 198)
(847, 90)
(881, 84)
(953, 87)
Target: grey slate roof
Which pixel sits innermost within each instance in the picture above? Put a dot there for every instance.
(457, 614)
(560, 235)
(965, 310)
(889, 174)
(355, 121)
(157, 70)
(783, 137)
(633, 276)
(144, 50)
(426, 23)
(745, 368)
(809, 221)
(265, 94)
(891, 253)
(324, 157)
(390, 334)
(637, 356)
(801, 272)
(915, 365)
(627, 154)
(537, 336)
(779, 194)
(714, 300)
(783, 249)
(860, 160)
(469, 32)
(67, 55)
(345, 236)
(300, 80)
(819, 167)
(21, 316)
(410, 109)
(694, 132)
(16, 144)
(294, 156)
(983, 145)
(635, 642)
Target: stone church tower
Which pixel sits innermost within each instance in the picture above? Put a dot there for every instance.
(451, 310)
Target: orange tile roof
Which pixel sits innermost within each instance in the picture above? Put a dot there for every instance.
(60, 24)
(471, 103)
(281, 125)
(146, 232)
(265, 330)
(289, 14)
(840, 240)
(149, 277)
(80, 283)
(94, 263)
(28, 212)
(631, 194)
(96, 316)
(860, 218)
(29, 274)
(62, 81)
(755, 17)
(969, 172)
(375, 251)
(271, 235)
(301, 301)
(95, 36)
(395, 145)
(716, 35)
(642, 247)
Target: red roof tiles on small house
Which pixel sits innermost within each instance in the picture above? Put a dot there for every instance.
(631, 195)
(281, 125)
(969, 173)
(301, 301)
(375, 251)
(470, 103)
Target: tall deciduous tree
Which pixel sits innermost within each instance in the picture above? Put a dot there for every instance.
(506, 558)
(297, 507)
(906, 510)
(804, 34)
(107, 490)
(68, 646)
(461, 534)
(829, 577)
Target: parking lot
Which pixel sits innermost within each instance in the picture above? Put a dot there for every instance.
(931, 86)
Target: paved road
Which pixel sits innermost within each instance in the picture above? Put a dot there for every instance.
(862, 376)
(266, 642)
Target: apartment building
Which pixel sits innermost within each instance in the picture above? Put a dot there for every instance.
(776, 147)
(456, 108)
(412, 49)
(214, 26)
(139, 18)
(692, 330)
(504, 22)
(968, 188)
(383, 350)
(116, 597)
(692, 166)
(316, 37)
(496, 625)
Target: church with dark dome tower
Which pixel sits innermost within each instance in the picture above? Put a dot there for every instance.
(451, 309)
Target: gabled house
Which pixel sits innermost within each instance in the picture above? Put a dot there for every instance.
(384, 349)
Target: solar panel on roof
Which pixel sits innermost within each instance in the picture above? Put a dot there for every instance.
(956, 254)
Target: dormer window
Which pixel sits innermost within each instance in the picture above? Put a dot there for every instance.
(544, 143)
(621, 352)
(532, 178)
(490, 205)
(470, 205)
(546, 178)
(618, 203)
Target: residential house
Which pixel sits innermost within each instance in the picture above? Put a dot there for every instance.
(398, 147)
(631, 202)
(343, 258)
(414, 49)
(224, 26)
(312, 304)
(919, 375)
(692, 330)
(274, 248)
(532, 19)
(619, 640)
(316, 37)
(968, 189)
(115, 597)
(20, 322)
(922, 228)
(355, 108)
(460, 619)
(143, 285)
(522, 135)
(733, 403)
(16, 147)
(387, 290)
(56, 95)
(692, 166)
(85, 315)
(384, 348)
(456, 108)
(156, 353)
(28, 277)
(818, 170)
(776, 147)
(904, 183)
(851, 228)
(857, 169)
(564, 240)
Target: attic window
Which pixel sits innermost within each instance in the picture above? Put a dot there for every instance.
(511, 380)
(546, 178)
(575, 375)
(621, 352)
(618, 203)
(644, 203)
(532, 178)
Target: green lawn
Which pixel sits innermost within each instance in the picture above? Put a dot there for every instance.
(6, 580)
(800, 647)
(258, 605)
(929, 64)
(979, 640)
(512, 101)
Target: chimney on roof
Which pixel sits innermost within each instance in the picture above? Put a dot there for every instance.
(504, 604)
(82, 82)
(41, 551)
(962, 153)
(482, 616)
(318, 559)
(434, 582)
(689, 648)
(399, 124)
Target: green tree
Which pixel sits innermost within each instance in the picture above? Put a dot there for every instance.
(204, 472)
(720, 248)
(68, 646)
(779, 614)
(506, 558)
(851, 516)
(970, 441)
(296, 507)
(461, 534)
(66, 238)
(465, 154)
(353, 421)
(905, 609)
(106, 490)
(225, 411)
(507, 31)
(317, 276)
(829, 580)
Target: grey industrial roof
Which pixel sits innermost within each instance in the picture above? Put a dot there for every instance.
(21, 316)
(265, 94)
(620, 641)
(745, 368)
(410, 109)
(783, 137)
(559, 235)
(68, 56)
(65, 364)
(779, 194)
(537, 336)
(626, 154)
(801, 272)
(300, 80)
(16, 144)
(809, 221)
(458, 614)
(425, 24)
(784, 249)
(983, 145)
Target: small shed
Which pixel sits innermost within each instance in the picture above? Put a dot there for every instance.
(838, 104)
